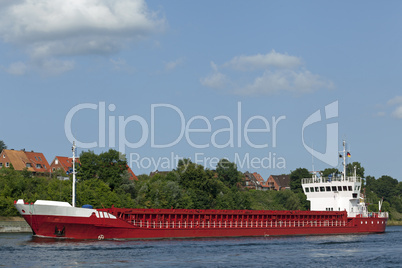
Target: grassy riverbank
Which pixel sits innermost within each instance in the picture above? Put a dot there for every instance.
(394, 223)
(3, 218)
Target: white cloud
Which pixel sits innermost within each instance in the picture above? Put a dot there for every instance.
(396, 101)
(17, 68)
(118, 63)
(272, 59)
(381, 114)
(173, 64)
(53, 28)
(274, 82)
(397, 112)
(216, 80)
(55, 66)
(267, 74)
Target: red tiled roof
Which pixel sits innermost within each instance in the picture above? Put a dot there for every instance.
(39, 162)
(258, 177)
(65, 162)
(132, 175)
(33, 161)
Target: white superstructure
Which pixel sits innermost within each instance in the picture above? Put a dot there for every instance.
(336, 192)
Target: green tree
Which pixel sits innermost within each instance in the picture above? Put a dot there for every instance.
(329, 171)
(2, 145)
(228, 173)
(350, 169)
(112, 168)
(288, 199)
(370, 183)
(295, 179)
(89, 166)
(109, 167)
(386, 188)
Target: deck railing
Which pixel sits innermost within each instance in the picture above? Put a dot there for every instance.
(376, 215)
(327, 179)
(239, 224)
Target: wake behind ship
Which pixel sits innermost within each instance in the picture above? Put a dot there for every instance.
(336, 208)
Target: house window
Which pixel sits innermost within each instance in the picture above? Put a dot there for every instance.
(40, 159)
(36, 158)
(1, 164)
(44, 166)
(38, 166)
(4, 156)
(7, 164)
(28, 165)
(56, 161)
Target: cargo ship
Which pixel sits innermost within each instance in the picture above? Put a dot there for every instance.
(336, 207)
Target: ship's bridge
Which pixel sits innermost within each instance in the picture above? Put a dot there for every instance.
(334, 193)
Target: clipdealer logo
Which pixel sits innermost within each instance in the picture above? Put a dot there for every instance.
(330, 156)
(114, 127)
(111, 126)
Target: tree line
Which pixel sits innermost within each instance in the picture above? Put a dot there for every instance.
(103, 181)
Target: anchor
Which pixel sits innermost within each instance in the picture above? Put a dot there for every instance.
(59, 232)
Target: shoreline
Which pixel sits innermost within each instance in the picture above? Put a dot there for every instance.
(14, 225)
(394, 223)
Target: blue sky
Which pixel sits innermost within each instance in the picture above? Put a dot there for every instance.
(160, 80)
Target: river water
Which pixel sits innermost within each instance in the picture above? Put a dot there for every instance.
(374, 250)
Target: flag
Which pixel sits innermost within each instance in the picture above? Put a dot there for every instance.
(348, 154)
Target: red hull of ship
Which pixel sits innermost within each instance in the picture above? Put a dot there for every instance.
(158, 224)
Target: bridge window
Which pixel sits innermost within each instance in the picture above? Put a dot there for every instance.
(322, 189)
(306, 189)
(334, 188)
(316, 189)
(350, 188)
(312, 189)
(339, 188)
(328, 189)
(345, 188)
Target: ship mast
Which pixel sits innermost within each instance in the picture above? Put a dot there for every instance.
(73, 201)
(344, 160)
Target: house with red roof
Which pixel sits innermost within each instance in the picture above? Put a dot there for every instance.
(132, 175)
(278, 182)
(63, 163)
(251, 182)
(32, 161)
